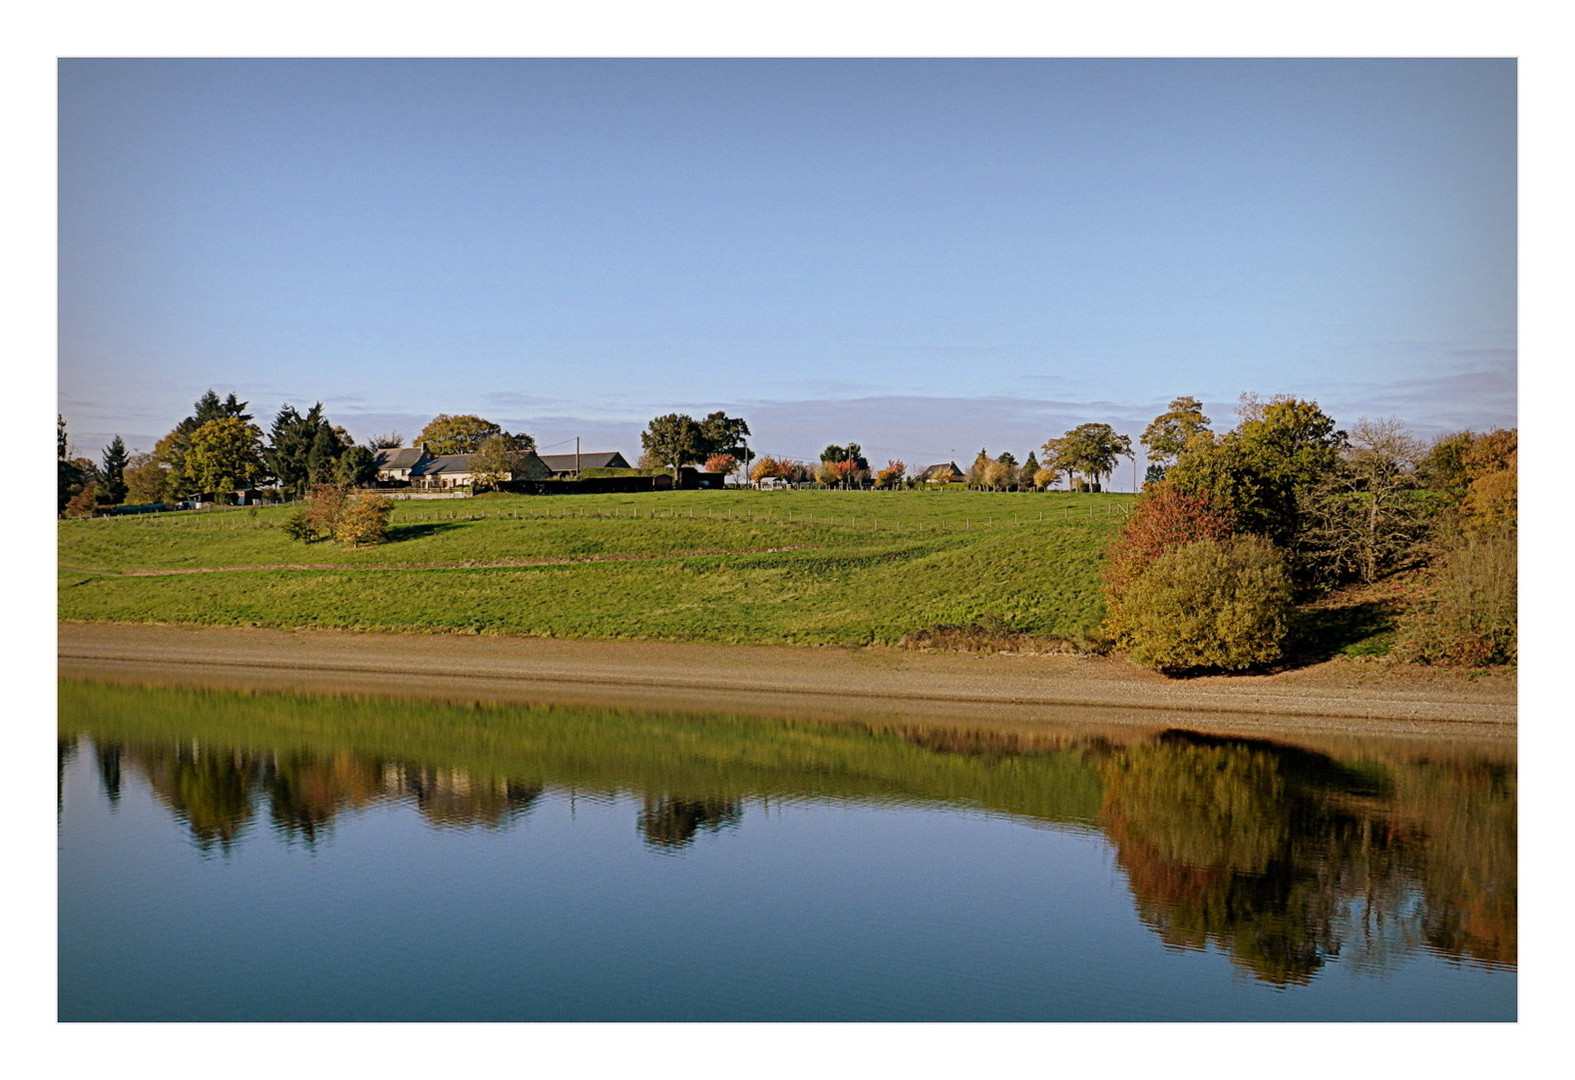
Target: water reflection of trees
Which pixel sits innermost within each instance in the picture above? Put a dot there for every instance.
(65, 751)
(669, 823)
(107, 756)
(217, 792)
(1286, 859)
(1282, 857)
(450, 797)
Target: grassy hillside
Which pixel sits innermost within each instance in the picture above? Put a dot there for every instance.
(735, 567)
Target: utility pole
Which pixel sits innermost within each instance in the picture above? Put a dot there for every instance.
(576, 457)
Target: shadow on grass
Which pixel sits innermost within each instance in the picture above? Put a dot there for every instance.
(1319, 634)
(399, 533)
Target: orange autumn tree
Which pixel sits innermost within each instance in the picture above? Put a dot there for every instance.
(1164, 518)
(768, 468)
(891, 475)
(726, 464)
(840, 471)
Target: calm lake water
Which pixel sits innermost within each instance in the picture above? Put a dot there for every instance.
(238, 856)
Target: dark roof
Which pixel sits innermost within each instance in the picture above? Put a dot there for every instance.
(443, 463)
(946, 467)
(398, 457)
(599, 459)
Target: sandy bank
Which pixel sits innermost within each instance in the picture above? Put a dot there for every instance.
(1344, 698)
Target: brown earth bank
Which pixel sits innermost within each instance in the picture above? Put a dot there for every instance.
(1338, 698)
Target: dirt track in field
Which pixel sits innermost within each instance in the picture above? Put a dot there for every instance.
(500, 564)
(1344, 698)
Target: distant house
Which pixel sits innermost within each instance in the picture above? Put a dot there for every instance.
(395, 462)
(442, 471)
(417, 467)
(944, 473)
(568, 466)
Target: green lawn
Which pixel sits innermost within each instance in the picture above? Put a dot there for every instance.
(792, 566)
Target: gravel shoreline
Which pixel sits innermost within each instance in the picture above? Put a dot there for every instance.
(1338, 698)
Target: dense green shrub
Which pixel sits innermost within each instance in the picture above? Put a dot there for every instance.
(1211, 605)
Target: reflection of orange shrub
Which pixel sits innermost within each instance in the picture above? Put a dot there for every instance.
(1467, 810)
(1259, 849)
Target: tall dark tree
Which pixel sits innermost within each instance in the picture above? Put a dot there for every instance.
(303, 450)
(73, 474)
(114, 471)
(357, 467)
(851, 452)
(209, 407)
(322, 457)
(675, 440)
(723, 434)
(1009, 472)
(1030, 467)
(286, 452)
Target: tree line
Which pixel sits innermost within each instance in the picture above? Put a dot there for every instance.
(1084, 457)
(1233, 529)
(218, 450)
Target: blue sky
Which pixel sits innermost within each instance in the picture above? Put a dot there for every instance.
(925, 257)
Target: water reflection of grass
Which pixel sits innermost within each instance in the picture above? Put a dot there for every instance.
(611, 750)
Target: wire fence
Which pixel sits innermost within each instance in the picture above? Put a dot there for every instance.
(411, 513)
(811, 519)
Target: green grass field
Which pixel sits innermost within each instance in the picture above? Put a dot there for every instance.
(821, 567)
